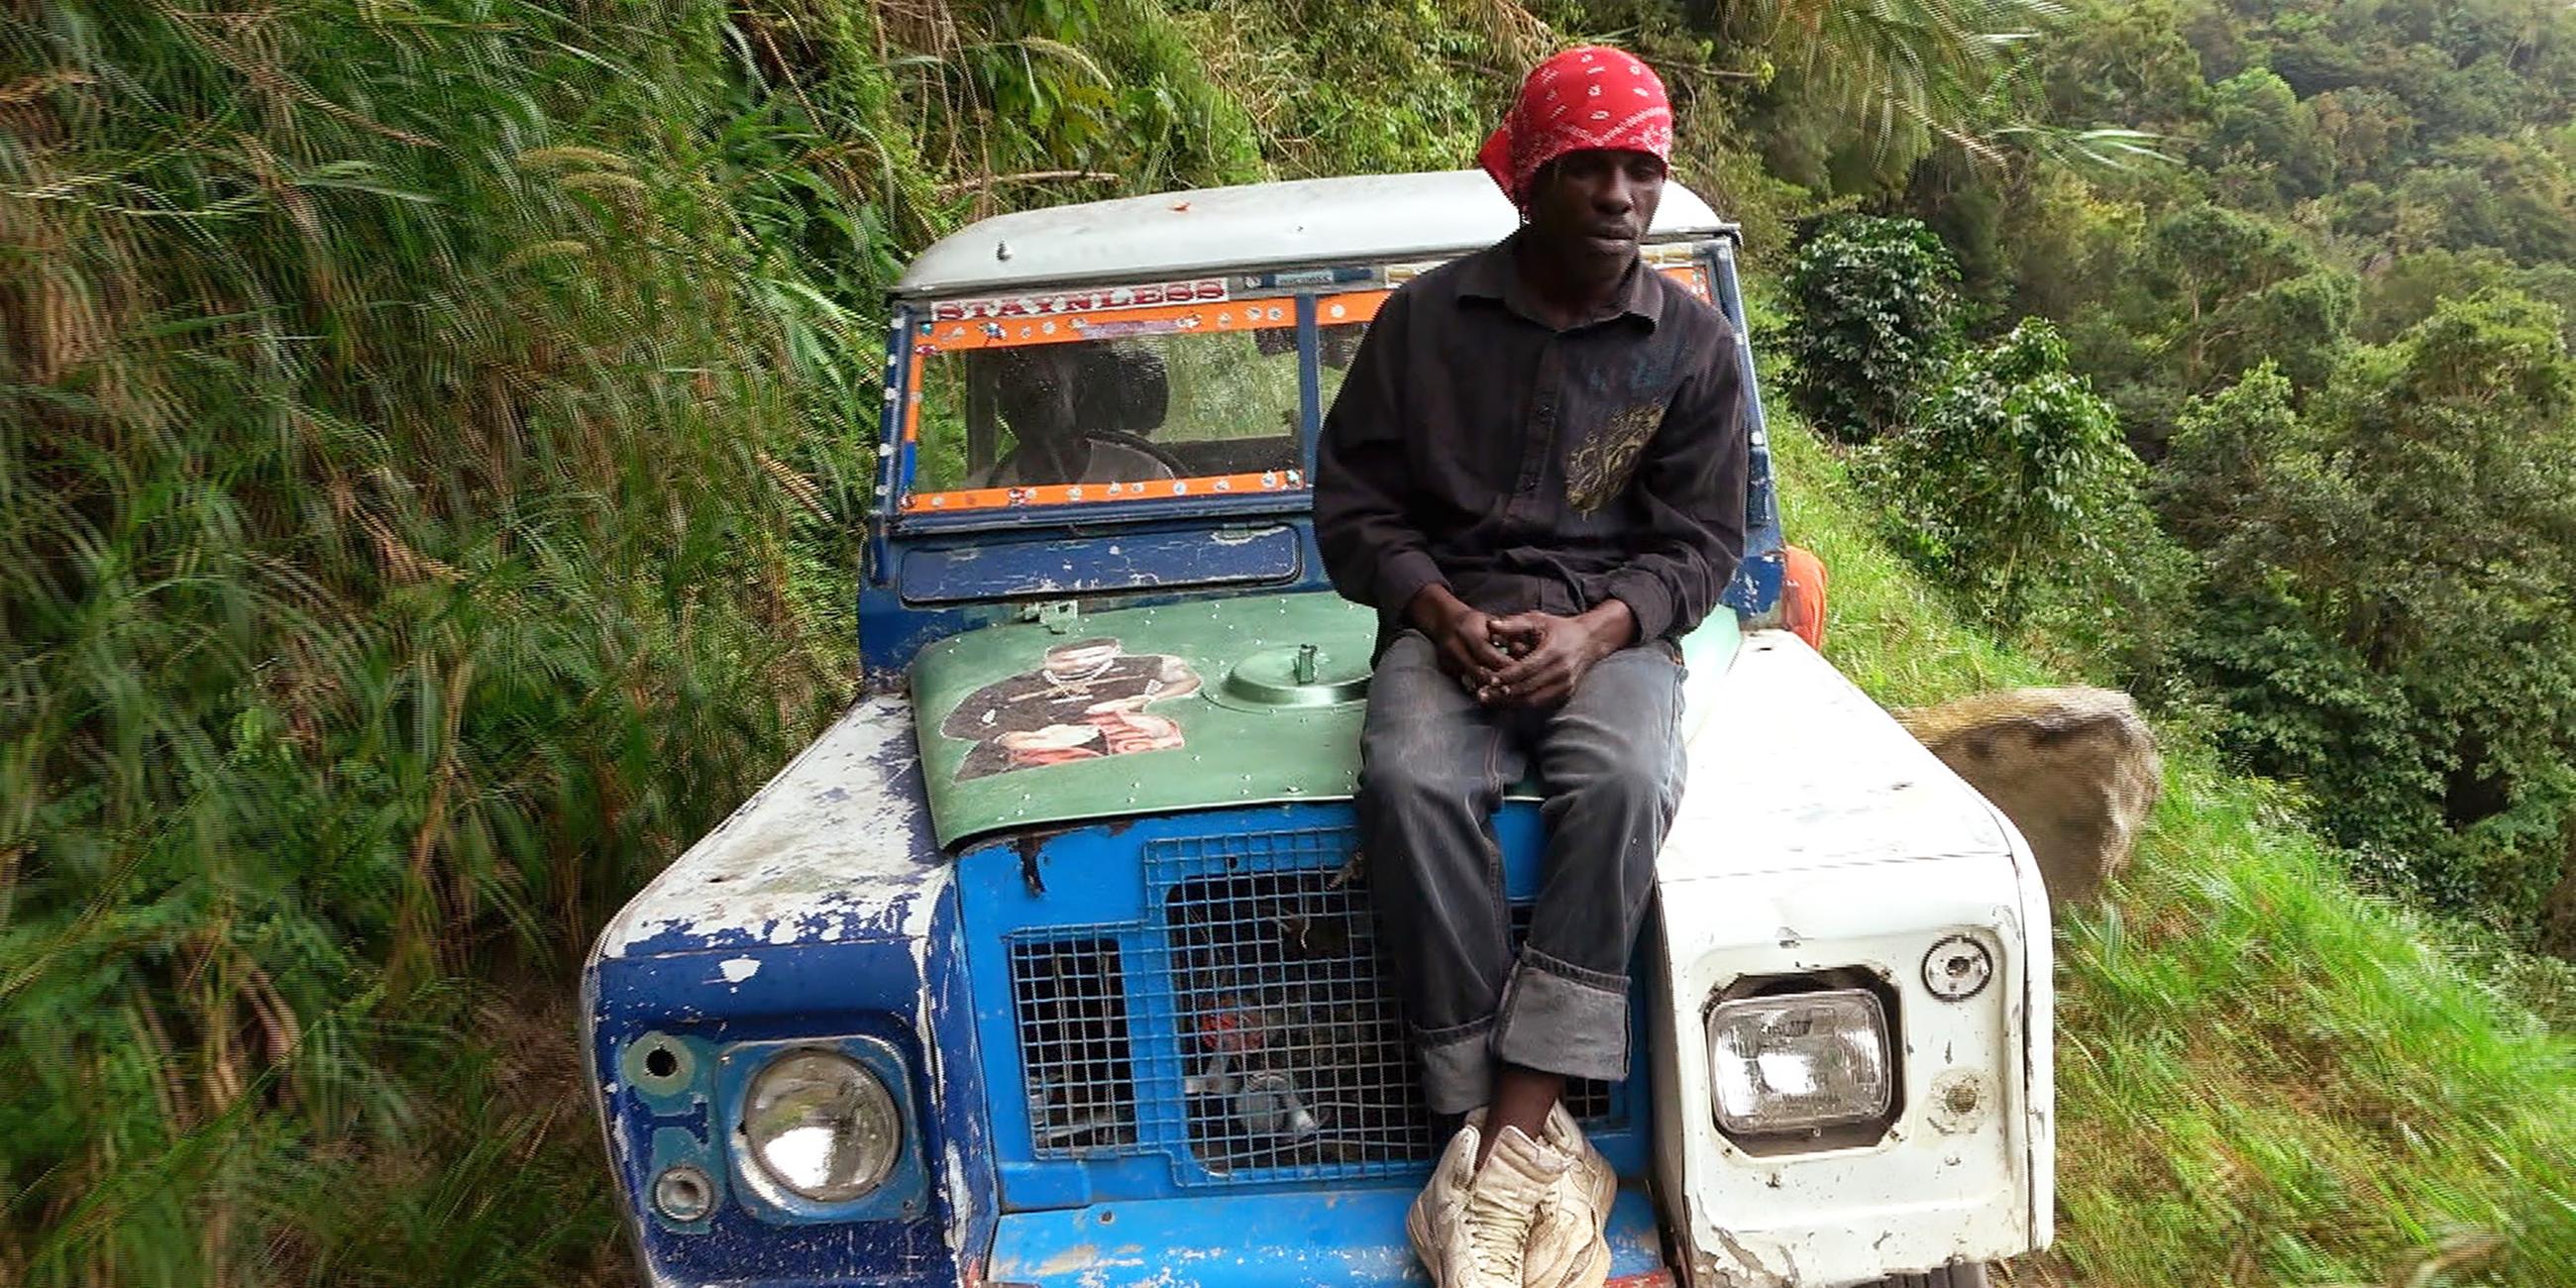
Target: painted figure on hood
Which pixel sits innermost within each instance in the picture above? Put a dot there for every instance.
(1087, 700)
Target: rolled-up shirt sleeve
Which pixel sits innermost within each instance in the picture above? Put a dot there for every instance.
(1691, 484)
(1372, 550)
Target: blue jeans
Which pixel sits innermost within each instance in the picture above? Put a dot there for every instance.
(1435, 765)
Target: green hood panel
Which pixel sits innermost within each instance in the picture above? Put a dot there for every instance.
(1151, 710)
(1143, 711)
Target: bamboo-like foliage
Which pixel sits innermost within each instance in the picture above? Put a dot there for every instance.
(1906, 66)
(1906, 77)
(394, 569)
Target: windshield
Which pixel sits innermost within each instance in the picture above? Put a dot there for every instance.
(1057, 400)
(1120, 405)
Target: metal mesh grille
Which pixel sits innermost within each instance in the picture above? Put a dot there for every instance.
(1249, 1029)
(1295, 1053)
(1070, 999)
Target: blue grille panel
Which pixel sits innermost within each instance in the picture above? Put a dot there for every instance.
(1070, 1008)
(1242, 1028)
(1294, 1049)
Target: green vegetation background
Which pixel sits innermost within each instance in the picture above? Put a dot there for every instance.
(435, 433)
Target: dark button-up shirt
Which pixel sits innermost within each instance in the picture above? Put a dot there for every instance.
(1474, 446)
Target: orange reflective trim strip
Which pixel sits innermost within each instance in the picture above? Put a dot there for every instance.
(991, 498)
(912, 401)
(1342, 310)
(1162, 319)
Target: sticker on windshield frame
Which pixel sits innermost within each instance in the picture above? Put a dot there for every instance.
(1204, 290)
(935, 338)
(1168, 319)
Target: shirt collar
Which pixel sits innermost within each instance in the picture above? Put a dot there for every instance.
(1489, 275)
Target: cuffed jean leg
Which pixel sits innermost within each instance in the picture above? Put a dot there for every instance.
(1433, 767)
(1611, 758)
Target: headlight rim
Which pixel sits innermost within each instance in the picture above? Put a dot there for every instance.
(902, 1194)
(768, 1174)
(1872, 978)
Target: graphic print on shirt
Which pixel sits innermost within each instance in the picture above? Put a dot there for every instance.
(1599, 467)
(1085, 701)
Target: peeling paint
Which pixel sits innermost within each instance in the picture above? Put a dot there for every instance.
(1747, 1262)
(961, 1200)
(737, 969)
(832, 849)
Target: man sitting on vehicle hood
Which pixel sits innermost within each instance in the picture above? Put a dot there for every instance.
(1535, 472)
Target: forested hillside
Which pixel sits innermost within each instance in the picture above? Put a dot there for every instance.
(2335, 326)
(434, 434)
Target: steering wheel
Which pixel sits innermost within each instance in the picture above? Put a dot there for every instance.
(1137, 442)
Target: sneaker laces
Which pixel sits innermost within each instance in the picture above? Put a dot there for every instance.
(1498, 1233)
(1503, 1206)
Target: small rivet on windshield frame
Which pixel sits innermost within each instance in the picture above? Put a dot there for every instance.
(1001, 250)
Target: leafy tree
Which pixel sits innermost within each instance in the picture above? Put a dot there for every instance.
(2510, 194)
(2112, 63)
(2242, 288)
(2365, 128)
(2391, 581)
(2010, 475)
(2068, 239)
(2258, 126)
(2409, 287)
(2208, 294)
(1874, 313)
(2362, 211)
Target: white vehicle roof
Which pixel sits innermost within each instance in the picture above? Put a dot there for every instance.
(1359, 219)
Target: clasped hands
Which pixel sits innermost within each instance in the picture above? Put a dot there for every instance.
(1529, 659)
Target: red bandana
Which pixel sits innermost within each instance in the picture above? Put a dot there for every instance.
(1588, 97)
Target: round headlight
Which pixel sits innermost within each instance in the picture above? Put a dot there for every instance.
(822, 1126)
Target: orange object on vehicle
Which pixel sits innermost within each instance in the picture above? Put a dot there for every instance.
(1802, 595)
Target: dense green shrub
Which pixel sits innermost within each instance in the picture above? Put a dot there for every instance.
(1874, 313)
(2013, 475)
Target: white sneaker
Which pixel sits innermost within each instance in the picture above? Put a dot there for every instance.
(1598, 1179)
(1437, 1221)
(1533, 1217)
(1567, 1245)
(1503, 1208)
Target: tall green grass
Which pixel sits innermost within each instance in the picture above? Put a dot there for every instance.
(2264, 1077)
(404, 544)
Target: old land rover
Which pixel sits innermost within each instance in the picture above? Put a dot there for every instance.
(1053, 962)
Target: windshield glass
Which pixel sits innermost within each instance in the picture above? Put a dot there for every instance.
(1049, 401)
(1121, 405)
